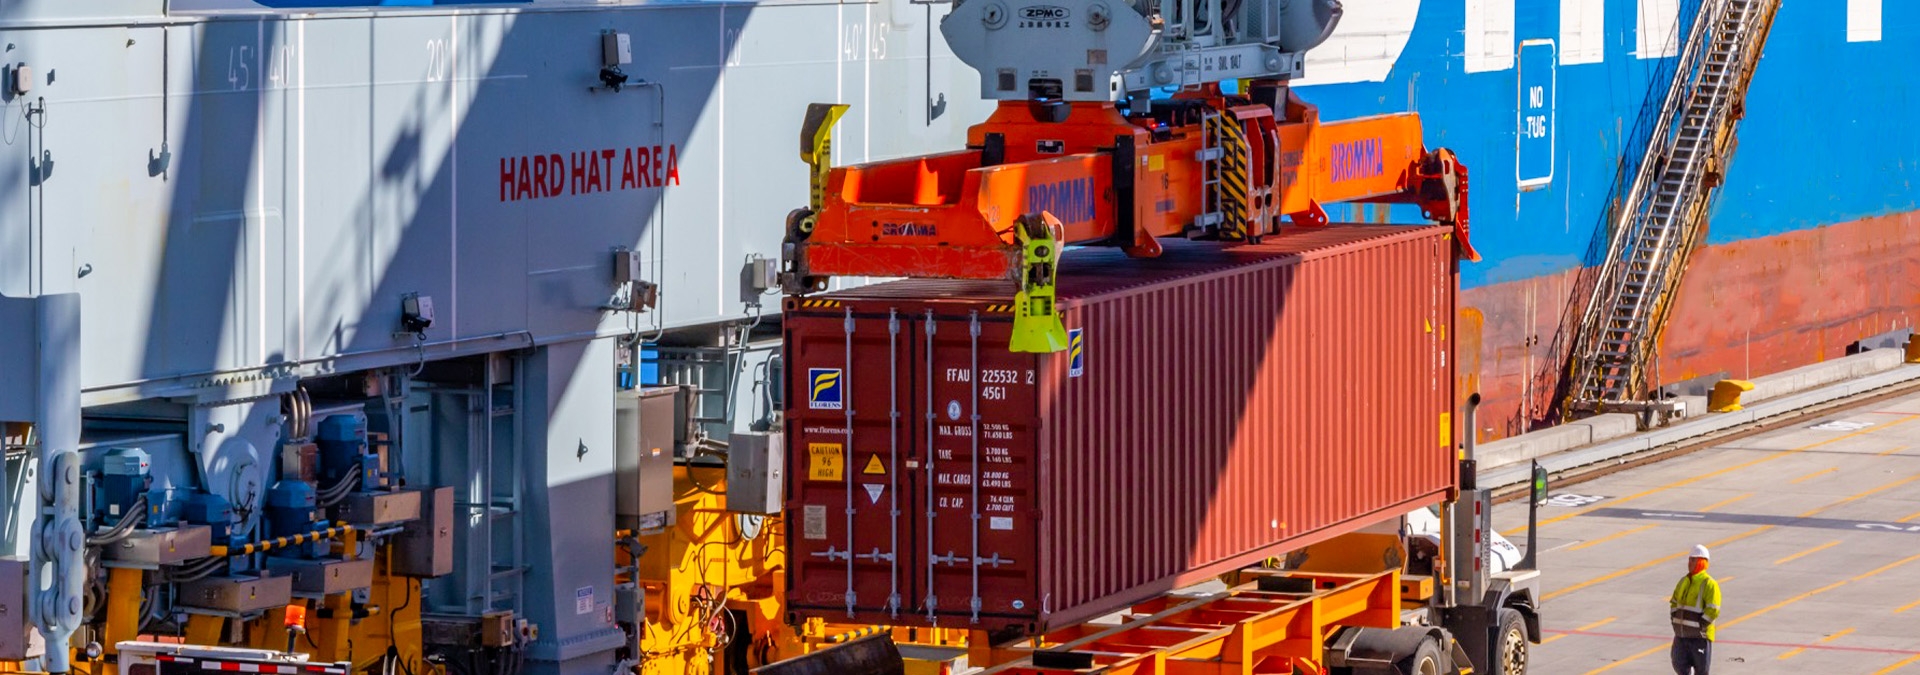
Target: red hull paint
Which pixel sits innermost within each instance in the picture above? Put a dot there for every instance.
(1746, 308)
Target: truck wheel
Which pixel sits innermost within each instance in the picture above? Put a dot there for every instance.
(1513, 643)
(1427, 660)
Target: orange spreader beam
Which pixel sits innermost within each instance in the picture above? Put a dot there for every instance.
(1209, 166)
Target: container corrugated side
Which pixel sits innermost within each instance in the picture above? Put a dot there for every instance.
(1245, 413)
(1216, 406)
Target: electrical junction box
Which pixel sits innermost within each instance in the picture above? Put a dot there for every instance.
(18, 639)
(320, 578)
(616, 49)
(755, 478)
(235, 595)
(383, 507)
(497, 629)
(626, 266)
(151, 548)
(644, 437)
(424, 547)
(416, 313)
(763, 274)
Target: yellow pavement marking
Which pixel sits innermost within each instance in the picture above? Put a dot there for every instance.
(1610, 576)
(1910, 519)
(1875, 572)
(1815, 474)
(1630, 659)
(1903, 608)
(1581, 629)
(1889, 452)
(1894, 667)
(1611, 537)
(1725, 502)
(1801, 554)
(1796, 650)
(1719, 472)
(1864, 495)
(1743, 535)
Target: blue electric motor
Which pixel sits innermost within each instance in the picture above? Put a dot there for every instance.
(344, 451)
(213, 511)
(293, 508)
(125, 475)
(164, 506)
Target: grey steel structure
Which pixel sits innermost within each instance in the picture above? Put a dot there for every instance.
(211, 205)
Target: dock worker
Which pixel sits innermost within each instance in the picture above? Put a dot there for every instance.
(1695, 606)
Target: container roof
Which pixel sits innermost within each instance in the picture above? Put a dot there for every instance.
(1095, 271)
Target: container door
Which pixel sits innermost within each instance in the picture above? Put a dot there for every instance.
(847, 439)
(979, 543)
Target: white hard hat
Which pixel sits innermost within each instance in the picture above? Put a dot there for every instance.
(1701, 553)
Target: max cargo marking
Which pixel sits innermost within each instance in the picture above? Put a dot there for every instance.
(588, 172)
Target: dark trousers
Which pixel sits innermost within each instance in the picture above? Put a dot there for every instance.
(1691, 656)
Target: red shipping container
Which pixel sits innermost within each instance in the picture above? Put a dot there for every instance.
(1216, 406)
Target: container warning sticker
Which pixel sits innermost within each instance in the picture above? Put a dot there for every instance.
(999, 523)
(874, 492)
(583, 600)
(824, 462)
(1076, 353)
(874, 467)
(813, 521)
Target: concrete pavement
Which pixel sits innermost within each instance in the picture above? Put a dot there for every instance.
(1815, 532)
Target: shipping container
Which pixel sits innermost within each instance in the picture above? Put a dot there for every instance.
(1215, 406)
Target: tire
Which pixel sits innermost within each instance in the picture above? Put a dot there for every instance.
(1427, 660)
(1512, 648)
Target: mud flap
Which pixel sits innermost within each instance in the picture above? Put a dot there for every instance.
(871, 655)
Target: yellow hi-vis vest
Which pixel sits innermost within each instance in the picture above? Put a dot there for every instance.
(1695, 606)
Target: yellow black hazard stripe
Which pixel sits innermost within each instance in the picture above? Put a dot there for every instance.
(1000, 309)
(816, 304)
(1233, 177)
(283, 542)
